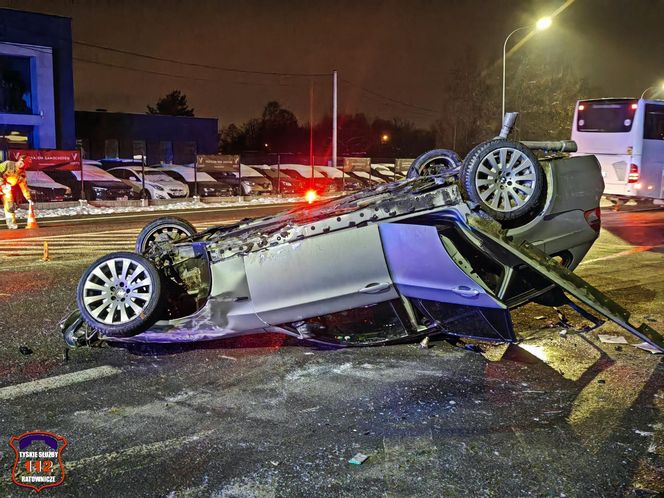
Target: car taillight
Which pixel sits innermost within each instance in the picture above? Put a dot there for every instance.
(594, 218)
(633, 175)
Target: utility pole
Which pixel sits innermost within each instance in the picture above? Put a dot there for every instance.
(334, 120)
(311, 126)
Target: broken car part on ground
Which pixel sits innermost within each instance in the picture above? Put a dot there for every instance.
(450, 251)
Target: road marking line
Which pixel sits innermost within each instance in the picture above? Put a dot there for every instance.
(151, 449)
(622, 253)
(48, 383)
(110, 233)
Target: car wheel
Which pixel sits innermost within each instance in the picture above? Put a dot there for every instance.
(144, 194)
(434, 162)
(165, 228)
(504, 178)
(119, 295)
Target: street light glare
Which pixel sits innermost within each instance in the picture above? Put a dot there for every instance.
(543, 23)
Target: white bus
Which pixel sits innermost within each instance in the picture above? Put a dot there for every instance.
(627, 137)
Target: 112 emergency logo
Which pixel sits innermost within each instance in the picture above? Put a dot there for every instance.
(38, 463)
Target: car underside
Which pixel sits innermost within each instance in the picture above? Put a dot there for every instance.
(392, 263)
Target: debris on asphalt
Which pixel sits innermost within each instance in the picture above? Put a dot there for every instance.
(612, 339)
(424, 344)
(25, 350)
(541, 317)
(563, 333)
(475, 348)
(643, 433)
(562, 319)
(358, 459)
(648, 347)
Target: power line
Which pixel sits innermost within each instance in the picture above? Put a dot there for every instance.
(401, 102)
(194, 64)
(148, 71)
(168, 75)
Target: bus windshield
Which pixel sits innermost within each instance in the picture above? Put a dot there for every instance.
(606, 116)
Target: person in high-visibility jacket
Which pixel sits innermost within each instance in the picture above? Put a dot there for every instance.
(12, 174)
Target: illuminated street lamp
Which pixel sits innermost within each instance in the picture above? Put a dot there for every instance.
(540, 25)
(660, 88)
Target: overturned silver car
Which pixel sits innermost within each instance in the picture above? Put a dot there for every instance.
(449, 251)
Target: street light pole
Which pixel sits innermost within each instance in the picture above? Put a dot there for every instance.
(541, 25)
(504, 61)
(661, 88)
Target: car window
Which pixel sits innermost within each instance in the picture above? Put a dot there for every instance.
(653, 128)
(606, 116)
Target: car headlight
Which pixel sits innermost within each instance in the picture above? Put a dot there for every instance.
(67, 191)
(288, 184)
(157, 187)
(99, 190)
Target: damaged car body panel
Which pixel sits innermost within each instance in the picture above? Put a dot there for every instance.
(390, 263)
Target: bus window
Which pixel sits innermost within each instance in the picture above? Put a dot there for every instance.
(606, 116)
(653, 127)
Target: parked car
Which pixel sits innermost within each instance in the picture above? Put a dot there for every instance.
(253, 183)
(385, 172)
(281, 181)
(158, 185)
(98, 184)
(207, 185)
(396, 262)
(367, 179)
(340, 181)
(303, 173)
(44, 189)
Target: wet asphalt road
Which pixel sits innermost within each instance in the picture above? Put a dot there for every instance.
(268, 416)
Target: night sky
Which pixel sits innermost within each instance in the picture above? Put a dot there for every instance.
(400, 49)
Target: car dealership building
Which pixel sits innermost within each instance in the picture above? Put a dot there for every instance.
(36, 81)
(37, 103)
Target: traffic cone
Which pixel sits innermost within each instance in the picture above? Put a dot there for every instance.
(32, 219)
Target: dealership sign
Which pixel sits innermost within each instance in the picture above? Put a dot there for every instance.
(48, 158)
(218, 162)
(357, 164)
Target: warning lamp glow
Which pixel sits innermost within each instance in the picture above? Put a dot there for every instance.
(581, 107)
(637, 186)
(311, 196)
(634, 106)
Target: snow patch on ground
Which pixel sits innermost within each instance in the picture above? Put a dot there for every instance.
(92, 210)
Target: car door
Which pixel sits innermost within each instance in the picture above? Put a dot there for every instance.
(319, 275)
(449, 279)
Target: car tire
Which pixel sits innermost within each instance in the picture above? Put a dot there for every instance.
(504, 178)
(434, 162)
(175, 228)
(120, 295)
(144, 194)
